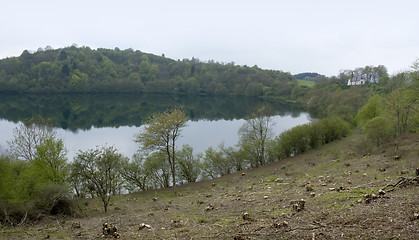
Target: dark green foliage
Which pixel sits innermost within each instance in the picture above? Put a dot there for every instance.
(75, 69)
(309, 76)
(82, 111)
(331, 98)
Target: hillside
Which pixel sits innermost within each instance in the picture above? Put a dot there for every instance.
(83, 69)
(339, 183)
(309, 76)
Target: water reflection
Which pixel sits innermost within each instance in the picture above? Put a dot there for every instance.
(74, 112)
(86, 121)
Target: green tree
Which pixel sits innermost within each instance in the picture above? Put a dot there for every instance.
(51, 162)
(189, 165)
(161, 133)
(100, 168)
(79, 82)
(400, 105)
(372, 109)
(414, 94)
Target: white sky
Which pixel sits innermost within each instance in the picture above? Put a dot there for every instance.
(295, 36)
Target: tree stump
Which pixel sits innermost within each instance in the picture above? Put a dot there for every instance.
(298, 205)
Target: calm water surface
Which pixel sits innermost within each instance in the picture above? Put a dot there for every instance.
(84, 123)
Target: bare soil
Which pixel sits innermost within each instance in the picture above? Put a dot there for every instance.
(329, 193)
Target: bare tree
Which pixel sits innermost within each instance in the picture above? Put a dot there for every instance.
(28, 135)
(254, 135)
(99, 168)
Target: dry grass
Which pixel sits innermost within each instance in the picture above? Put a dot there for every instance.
(332, 180)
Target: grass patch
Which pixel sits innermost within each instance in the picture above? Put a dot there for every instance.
(280, 211)
(226, 221)
(305, 83)
(271, 178)
(346, 195)
(202, 220)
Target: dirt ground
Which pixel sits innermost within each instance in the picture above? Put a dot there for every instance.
(344, 190)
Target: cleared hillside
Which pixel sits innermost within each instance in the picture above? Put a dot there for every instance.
(340, 185)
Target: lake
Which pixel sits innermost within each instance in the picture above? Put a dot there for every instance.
(89, 120)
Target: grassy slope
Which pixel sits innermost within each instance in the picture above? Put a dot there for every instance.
(213, 209)
(305, 83)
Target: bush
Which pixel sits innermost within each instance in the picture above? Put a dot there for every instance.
(188, 164)
(24, 197)
(332, 129)
(378, 130)
(308, 136)
(217, 163)
(372, 109)
(51, 199)
(54, 199)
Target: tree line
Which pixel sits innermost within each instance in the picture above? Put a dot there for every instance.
(81, 70)
(85, 70)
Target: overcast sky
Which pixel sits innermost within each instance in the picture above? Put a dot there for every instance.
(295, 36)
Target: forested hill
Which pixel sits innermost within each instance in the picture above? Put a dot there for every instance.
(75, 69)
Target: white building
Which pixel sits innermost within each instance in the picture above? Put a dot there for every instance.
(352, 82)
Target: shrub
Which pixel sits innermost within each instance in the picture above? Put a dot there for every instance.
(308, 136)
(54, 199)
(378, 130)
(333, 128)
(217, 163)
(373, 108)
(189, 165)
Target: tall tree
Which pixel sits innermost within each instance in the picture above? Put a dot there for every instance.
(161, 133)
